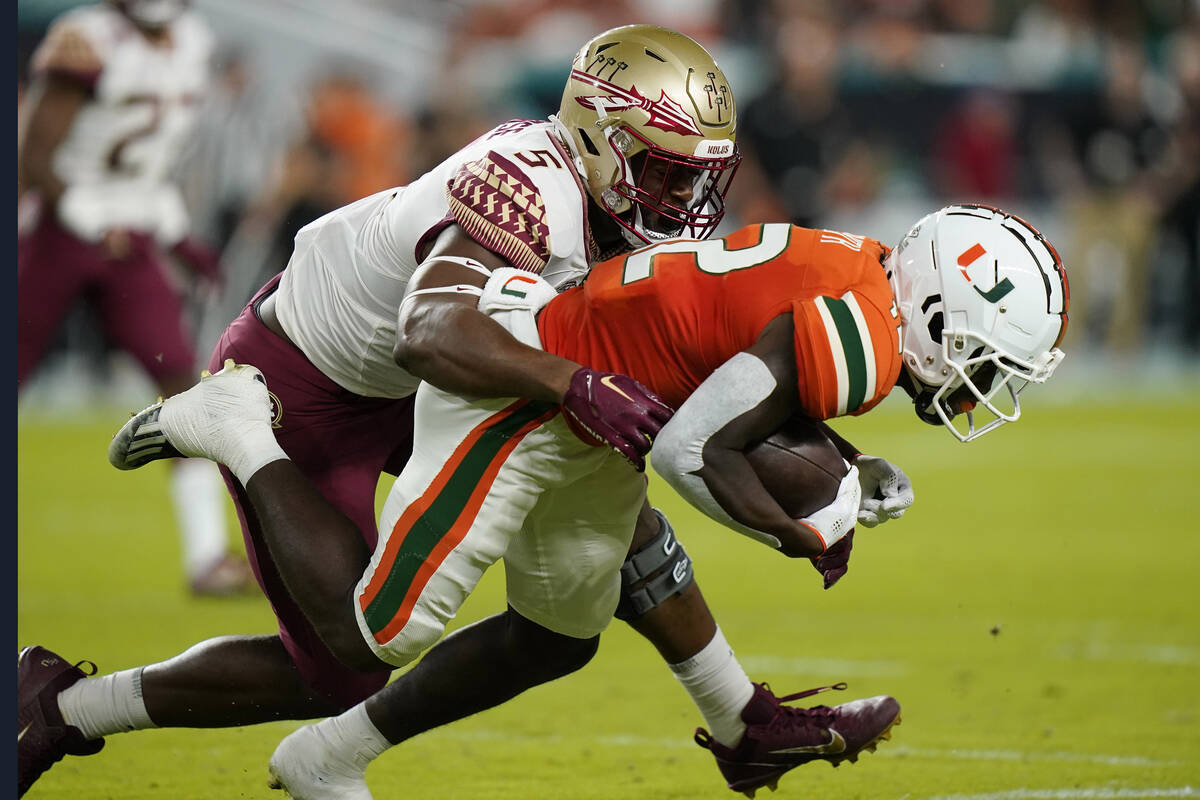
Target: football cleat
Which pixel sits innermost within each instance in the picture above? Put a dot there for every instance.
(304, 767)
(194, 423)
(779, 738)
(43, 737)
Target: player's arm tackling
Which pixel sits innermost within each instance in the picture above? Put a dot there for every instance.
(443, 339)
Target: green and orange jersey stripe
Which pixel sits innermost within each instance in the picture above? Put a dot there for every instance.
(436, 522)
(847, 350)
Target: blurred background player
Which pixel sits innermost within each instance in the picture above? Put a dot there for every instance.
(115, 87)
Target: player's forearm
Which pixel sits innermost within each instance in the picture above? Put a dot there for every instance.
(35, 172)
(721, 483)
(735, 487)
(457, 349)
(52, 108)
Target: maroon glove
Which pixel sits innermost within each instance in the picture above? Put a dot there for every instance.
(199, 258)
(609, 408)
(834, 562)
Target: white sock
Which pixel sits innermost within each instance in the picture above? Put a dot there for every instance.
(106, 704)
(199, 497)
(258, 448)
(352, 740)
(719, 688)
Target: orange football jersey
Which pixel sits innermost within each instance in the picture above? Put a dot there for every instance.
(670, 314)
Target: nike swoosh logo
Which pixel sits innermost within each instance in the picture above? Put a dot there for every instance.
(607, 381)
(24, 730)
(836, 744)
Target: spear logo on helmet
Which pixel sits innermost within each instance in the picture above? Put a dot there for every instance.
(665, 113)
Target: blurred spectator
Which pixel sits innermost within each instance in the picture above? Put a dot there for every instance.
(883, 47)
(367, 141)
(1179, 188)
(512, 53)
(976, 149)
(804, 153)
(349, 145)
(444, 127)
(237, 142)
(1108, 157)
(1057, 43)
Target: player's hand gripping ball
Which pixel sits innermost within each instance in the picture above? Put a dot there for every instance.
(802, 469)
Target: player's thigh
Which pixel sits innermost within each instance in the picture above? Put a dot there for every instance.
(448, 517)
(143, 314)
(53, 268)
(563, 569)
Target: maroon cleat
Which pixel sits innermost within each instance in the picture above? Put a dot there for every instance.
(779, 738)
(43, 738)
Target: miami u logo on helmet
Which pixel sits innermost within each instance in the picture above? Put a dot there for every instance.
(969, 257)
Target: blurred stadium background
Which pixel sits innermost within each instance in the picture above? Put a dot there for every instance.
(1083, 116)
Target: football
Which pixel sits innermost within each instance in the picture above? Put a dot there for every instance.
(799, 466)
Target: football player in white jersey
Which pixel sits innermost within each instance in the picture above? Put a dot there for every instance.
(379, 296)
(114, 94)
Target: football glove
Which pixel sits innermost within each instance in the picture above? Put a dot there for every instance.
(886, 491)
(833, 563)
(614, 409)
(836, 520)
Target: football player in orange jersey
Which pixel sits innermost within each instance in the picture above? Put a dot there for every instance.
(742, 333)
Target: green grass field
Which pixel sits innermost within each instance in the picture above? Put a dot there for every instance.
(1037, 614)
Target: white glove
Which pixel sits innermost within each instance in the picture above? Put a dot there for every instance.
(836, 520)
(886, 491)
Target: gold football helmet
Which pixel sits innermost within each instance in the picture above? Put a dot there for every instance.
(650, 119)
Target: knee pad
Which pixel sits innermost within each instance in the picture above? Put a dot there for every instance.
(654, 574)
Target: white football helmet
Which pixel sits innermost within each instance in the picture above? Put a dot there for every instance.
(646, 109)
(983, 306)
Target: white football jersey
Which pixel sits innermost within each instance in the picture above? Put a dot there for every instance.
(514, 190)
(117, 156)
